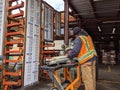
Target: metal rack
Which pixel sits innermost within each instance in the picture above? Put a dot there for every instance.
(1, 72)
(14, 46)
(50, 22)
(46, 30)
(57, 23)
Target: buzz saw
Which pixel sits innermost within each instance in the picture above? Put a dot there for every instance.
(64, 81)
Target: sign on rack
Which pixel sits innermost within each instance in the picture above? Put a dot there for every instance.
(2, 20)
(32, 42)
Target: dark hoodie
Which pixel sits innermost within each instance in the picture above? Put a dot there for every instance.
(77, 45)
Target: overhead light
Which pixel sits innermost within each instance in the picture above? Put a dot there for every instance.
(113, 30)
(102, 37)
(97, 0)
(70, 10)
(99, 29)
(111, 37)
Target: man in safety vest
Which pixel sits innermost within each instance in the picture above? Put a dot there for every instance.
(84, 50)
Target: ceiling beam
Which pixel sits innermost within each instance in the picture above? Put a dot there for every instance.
(93, 7)
(99, 20)
(75, 12)
(119, 11)
(105, 34)
(98, 12)
(104, 40)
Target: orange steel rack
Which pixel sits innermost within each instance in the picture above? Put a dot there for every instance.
(0, 72)
(46, 53)
(14, 47)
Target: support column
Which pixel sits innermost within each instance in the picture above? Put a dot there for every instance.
(66, 21)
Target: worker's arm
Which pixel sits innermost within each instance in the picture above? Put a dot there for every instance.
(76, 48)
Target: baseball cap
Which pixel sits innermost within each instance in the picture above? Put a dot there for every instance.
(76, 30)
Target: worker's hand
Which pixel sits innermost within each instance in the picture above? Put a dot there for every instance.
(66, 55)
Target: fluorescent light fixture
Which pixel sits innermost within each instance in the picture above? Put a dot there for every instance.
(97, 0)
(111, 37)
(99, 29)
(70, 10)
(113, 30)
(102, 37)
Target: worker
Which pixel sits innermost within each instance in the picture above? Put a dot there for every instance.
(84, 50)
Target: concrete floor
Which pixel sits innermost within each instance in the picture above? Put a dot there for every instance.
(109, 79)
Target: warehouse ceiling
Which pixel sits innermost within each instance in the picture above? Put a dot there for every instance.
(101, 18)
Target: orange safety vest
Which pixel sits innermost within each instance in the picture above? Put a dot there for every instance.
(87, 49)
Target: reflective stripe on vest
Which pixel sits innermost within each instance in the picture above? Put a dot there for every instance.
(87, 45)
(89, 51)
(87, 55)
